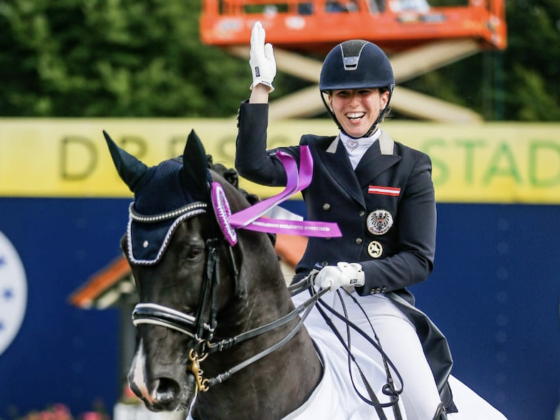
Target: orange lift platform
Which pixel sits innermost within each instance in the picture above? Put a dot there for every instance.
(417, 37)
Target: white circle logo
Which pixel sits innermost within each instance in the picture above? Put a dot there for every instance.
(379, 222)
(13, 293)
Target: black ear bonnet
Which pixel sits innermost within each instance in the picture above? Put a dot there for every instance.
(164, 196)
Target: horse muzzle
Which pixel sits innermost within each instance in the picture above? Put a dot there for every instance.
(167, 394)
(161, 388)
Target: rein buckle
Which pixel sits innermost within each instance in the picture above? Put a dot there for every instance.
(194, 368)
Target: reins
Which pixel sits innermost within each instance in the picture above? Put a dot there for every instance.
(389, 388)
(202, 333)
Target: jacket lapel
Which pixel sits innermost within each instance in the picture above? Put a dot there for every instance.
(335, 159)
(378, 158)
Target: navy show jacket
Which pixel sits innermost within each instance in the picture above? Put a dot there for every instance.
(340, 194)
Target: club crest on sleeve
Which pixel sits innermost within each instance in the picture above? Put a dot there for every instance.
(379, 222)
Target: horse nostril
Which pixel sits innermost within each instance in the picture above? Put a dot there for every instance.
(166, 391)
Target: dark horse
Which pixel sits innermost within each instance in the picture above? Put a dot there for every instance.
(271, 387)
(209, 299)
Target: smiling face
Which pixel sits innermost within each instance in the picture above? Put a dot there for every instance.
(357, 109)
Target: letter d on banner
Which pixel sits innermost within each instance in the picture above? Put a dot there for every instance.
(78, 158)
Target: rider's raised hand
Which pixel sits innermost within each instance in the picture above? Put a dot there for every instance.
(262, 62)
(341, 275)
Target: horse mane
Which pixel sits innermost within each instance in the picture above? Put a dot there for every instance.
(232, 177)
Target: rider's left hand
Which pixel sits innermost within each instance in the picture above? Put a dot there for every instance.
(262, 62)
(341, 275)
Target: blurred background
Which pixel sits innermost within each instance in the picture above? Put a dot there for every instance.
(478, 89)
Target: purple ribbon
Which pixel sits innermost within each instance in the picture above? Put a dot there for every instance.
(251, 219)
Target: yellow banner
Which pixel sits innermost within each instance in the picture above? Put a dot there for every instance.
(488, 163)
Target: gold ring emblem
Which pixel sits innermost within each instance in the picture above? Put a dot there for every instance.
(375, 249)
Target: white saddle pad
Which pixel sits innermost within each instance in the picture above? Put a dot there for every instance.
(335, 397)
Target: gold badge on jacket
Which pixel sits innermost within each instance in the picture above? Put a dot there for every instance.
(375, 249)
(379, 222)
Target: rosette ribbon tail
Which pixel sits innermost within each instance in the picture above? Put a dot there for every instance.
(252, 217)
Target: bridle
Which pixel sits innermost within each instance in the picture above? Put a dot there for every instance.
(201, 332)
(201, 326)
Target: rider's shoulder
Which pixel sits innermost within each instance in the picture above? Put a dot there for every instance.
(316, 141)
(407, 152)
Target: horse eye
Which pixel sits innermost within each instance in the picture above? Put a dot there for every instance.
(194, 252)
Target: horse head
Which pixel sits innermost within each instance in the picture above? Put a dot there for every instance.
(198, 283)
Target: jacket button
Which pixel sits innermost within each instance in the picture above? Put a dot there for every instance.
(359, 241)
(362, 213)
(326, 206)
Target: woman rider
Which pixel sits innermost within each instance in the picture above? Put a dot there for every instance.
(380, 193)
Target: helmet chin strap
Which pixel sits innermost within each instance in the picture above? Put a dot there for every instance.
(373, 126)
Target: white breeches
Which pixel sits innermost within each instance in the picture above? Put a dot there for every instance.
(398, 339)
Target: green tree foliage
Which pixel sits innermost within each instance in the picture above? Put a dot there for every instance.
(144, 58)
(521, 83)
(532, 61)
(134, 58)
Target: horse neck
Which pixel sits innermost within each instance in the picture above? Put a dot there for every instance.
(266, 297)
(279, 383)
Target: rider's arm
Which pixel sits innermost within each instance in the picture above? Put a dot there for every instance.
(252, 161)
(259, 94)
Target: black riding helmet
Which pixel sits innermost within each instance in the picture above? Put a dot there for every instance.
(356, 64)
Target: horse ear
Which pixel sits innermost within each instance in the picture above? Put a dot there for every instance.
(130, 169)
(195, 167)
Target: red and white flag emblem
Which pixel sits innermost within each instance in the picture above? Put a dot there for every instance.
(375, 189)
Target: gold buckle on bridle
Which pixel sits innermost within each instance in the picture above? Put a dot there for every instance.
(194, 368)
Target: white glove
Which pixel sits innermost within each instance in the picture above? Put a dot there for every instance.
(262, 62)
(342, 275)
